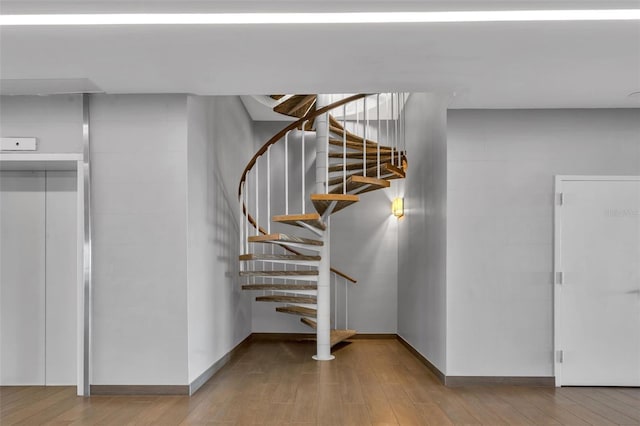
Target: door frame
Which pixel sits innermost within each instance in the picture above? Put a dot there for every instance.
(64, 162)
(557, 257)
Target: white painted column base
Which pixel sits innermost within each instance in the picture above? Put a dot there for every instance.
(319, 358)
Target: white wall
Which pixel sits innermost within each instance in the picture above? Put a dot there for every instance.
(56, 121)
(220, 143)
(139, 172)
(422, 231)
(364, 245)
(500, 226)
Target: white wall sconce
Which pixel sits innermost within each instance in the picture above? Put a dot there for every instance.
(397, 207)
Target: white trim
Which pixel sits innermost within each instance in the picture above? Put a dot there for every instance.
(613, 178)
(384, 17)
(11, 157)
(52, 160)
(557, 258)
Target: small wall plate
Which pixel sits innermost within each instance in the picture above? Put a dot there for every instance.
(18, 144)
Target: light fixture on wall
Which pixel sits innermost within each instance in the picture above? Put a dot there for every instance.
(397, 207)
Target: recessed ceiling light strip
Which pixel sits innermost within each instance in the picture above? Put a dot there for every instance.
(319, 18)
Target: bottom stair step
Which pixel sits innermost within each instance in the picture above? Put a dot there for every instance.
(311, 323)
(338, 336)
(297, 310)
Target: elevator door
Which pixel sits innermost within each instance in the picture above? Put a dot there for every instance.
(38, 260)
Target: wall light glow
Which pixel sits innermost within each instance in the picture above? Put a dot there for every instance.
(319, 18)
(397, 207)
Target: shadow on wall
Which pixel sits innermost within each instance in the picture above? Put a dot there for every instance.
(226, 243)
(225, 208)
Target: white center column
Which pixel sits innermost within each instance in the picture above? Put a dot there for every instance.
(323, 319)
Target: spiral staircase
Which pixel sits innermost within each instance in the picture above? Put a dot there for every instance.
(292, 269)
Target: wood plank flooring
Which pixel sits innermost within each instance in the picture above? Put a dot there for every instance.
(371, 382)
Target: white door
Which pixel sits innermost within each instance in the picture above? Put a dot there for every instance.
(599, 298)
(38, 276)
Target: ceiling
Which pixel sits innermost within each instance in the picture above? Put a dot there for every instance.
(477, 65)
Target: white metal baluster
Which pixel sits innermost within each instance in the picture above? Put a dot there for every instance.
(269, 190)
(346, 304)
(387, 125)
(400, 125)
(404, 124)
(273, 247)
(364, 138)
(246, 206)
(286, 173)
(355, 128)
(335, 301)
(326, 164)
(303, 169)
(393, 114)
(241, 224)
(344, 149)
(378, 135)
(257, 199)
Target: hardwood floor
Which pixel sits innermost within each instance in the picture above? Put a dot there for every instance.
(370, 382)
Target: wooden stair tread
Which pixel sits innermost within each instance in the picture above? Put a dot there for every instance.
(356, 182)
(388, 168)
(296, 106)
(292, 257)
(372, 168)
(277, 97)
(283, 238)
(287, 299)
(312, 219)
(297, 310)
(277, 273)
(338, 336)
(356, 165)
(336, 128)
(311, 323)
(323, 201)
(350, 136)
(281, 287)
(371, 147)
(371, 156)
(387, 172)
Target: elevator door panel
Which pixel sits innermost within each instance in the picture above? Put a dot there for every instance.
(22, 278)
